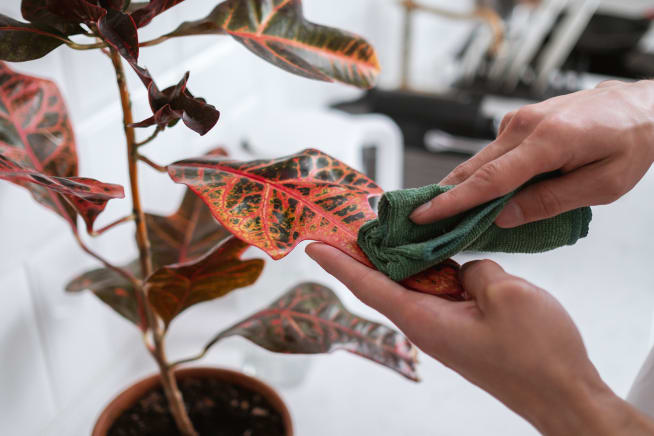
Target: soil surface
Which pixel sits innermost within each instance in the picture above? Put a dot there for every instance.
(216, 408)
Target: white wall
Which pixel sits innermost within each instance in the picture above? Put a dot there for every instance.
(60, 354)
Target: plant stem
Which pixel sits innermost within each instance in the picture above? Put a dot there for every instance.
(151, 137)
(155, 41)
(112, 225)
(168, 380)
(155, 166)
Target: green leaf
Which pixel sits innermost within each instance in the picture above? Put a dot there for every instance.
(310, 319)
(20, 42)
(173, 289)
(277, 31)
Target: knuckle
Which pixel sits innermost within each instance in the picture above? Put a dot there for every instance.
(459, 174)
(548, 202)
(511, 289)
(525, 118)
(609, 83)
(491, 178)
(506, 120)
(614, 187)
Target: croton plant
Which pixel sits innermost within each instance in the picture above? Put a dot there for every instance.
(195, 254)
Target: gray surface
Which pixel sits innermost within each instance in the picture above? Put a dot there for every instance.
(423, 167)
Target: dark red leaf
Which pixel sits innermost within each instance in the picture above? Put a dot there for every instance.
(175, 103)
(113, 289)
(277, 31)
(144, 14)
(188, 234)
(119, 30)
(76, 11)
(276, 204)
(37, 141)
(37, 12)
(175, 288)
(310, 319)
(21, 42)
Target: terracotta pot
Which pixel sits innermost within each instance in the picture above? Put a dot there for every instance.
(132, 394)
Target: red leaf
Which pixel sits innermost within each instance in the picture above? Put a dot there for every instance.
(276, 204)
(143, 15)
(188, 234)
(21, 42)
(76, 11)
(38, 149)
(175, 103)
(119, 30)
(175, 288)
(37, 12)
(277, 31)
(114, 290)
(310, 319)
(89, 197)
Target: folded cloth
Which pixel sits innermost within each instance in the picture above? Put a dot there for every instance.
(400, 248)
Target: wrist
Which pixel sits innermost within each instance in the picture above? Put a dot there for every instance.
(590, 409)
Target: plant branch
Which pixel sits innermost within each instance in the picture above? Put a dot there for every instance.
(155, 166)
(151, 138)
(76, 46)
(112, 225)
(157, 349)
(155, 41)
(129, 276)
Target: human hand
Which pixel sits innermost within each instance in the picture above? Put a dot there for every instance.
(600, 140)
(512, 339)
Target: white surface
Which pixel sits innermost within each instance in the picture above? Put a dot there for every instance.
(64, 357)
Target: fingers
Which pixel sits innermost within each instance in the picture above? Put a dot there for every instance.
(491, 287)
(476, 276)
(553, 197)
(492, 180)
(609, 83)
(370, 286)
(514, 129)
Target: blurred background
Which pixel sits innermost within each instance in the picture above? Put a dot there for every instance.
(451, 70)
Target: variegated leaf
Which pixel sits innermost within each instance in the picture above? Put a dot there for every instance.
(38, 145)
(310, 319)
(277, 31)
(173, 289)
(275, 204)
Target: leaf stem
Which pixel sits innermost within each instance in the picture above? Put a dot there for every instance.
(112, 225)
(150, 138)
(155, 41)
(155, 166)
(129, 276)
(76, 46)
(157, 349)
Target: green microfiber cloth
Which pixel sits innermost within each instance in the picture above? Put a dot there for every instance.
(400, 248)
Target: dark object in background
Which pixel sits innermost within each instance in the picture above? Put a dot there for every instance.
(610, 46)
(417, 113)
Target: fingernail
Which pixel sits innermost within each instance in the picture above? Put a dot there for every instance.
(421, 210)
(511, 216)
